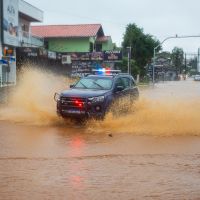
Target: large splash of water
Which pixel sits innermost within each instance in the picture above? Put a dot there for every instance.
(32, 103)
(148, 117)
(32, 100)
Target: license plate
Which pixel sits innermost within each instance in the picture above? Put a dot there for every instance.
(74, 111)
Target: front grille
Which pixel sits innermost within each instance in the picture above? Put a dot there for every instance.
(73, 102)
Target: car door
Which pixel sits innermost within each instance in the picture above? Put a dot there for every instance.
(127, 89)
(131, 89)
(118, 83)
(118, 95)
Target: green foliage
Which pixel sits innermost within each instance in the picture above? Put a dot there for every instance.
(142, 46)
(193, 66)
(123, 65)
(177, 58)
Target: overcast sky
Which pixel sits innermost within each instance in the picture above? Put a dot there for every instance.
(157, 17)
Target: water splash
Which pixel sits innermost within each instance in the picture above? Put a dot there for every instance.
(149, 117)
(32, 100)
(32, 103)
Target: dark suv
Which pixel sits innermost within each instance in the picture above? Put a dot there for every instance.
(93, 95)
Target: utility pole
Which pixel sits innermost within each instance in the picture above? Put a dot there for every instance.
(185, 63)
(129, 60)
(198, 66)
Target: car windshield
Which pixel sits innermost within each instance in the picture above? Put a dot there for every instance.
(100, 83)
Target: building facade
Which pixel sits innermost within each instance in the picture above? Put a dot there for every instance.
(81, 47)
(16, 17)
(74, 38)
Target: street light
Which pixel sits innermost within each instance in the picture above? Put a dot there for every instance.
(129, 58)
(154, 50)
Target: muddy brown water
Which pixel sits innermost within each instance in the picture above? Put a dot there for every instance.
(151, 153)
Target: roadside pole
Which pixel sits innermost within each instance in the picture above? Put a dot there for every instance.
(129, 60)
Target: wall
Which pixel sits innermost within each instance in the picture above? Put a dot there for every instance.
(30, 10)
(22, 23)
(107, 46)
(69, 45)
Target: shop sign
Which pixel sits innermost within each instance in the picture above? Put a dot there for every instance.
(97, 56)
(27, 51)
(10, 22)
(112, 55)
(80, 56)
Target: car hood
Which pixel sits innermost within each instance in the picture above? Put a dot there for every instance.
(83, 93)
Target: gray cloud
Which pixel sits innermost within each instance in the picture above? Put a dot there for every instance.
(157, 17)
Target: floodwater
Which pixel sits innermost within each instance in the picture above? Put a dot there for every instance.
(153, 152)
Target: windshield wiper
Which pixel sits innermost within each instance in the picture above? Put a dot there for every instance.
(83, 85)
(98, 84)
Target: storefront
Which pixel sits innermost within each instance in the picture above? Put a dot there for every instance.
(12, 14)
(9, 27)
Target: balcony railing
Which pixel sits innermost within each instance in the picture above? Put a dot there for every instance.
(30, 40)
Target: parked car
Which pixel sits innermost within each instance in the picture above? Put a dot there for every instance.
(93, 95)
(197, 78)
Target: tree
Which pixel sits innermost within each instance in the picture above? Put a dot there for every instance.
(193, 65)
(142, 46)
(177, 58)
(134, 68)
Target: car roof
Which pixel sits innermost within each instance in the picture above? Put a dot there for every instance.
(100, 76)
(110, 75)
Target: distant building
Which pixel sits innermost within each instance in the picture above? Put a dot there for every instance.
(16, 17)
(80, 48)
(164, 70)
(74, 38)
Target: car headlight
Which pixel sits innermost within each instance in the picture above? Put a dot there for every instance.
(57, 97)
(96, 99)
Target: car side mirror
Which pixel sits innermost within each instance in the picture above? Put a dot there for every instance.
(71, 86)
(119, 88)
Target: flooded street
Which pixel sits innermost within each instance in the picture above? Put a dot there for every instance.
(151, 153)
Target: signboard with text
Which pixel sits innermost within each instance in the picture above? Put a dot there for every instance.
(68, 58)
(96, 56)
(112, 55)
(10, 22)
(28, 51)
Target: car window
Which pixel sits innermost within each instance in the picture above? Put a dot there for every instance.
(94, 83)
(126, 82)
(119, 82)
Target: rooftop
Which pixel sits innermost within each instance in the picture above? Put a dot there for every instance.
(68, 31)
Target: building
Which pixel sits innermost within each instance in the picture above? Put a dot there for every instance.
(80, 47)
(16, 17)
(74, 38)
(164, 70)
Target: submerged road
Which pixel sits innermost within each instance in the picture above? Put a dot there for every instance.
(155, 155)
